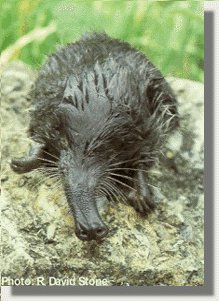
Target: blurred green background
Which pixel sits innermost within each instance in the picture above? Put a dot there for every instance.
(170, 33)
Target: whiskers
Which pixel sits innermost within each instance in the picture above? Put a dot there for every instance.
(51, 155)
(119, 180)
(48, 173)
(112, 183)
(50, 162)
(110, 190)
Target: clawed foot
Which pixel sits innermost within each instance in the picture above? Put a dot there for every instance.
(30, 162)
(144, 196)
(144, 203)
(23, 165)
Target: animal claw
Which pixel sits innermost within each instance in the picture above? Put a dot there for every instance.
(142, 204)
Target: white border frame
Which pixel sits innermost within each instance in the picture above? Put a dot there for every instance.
(6, 291)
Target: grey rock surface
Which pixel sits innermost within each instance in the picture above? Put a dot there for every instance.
(38, 237)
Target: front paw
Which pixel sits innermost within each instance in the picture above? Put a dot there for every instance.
(142, 204)
(19, 165)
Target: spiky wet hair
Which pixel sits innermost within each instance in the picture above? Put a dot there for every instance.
(103, 96)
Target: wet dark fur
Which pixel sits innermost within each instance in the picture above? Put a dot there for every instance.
(104, 111)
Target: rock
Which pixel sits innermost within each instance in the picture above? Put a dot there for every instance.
(191, 109)
(50, 234)
(38, 237)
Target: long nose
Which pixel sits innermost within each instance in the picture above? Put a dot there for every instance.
(88, 222)
(95, 230)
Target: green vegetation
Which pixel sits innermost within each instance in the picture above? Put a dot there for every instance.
(170, 33)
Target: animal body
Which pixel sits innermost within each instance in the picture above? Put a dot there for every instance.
(101, 114)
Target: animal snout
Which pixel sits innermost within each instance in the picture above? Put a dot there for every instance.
(92, 232)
